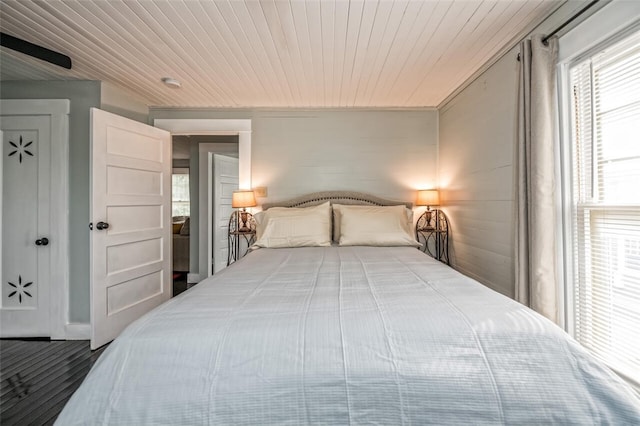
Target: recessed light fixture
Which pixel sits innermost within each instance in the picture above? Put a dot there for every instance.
(171, 82)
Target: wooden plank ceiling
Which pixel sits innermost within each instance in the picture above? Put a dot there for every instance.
(269, 53)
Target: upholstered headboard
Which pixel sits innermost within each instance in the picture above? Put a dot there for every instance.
(335, 197)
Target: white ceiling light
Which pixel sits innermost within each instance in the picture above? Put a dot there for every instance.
(171, 82)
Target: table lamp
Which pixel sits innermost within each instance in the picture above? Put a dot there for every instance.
(243, 199)
(428, 197)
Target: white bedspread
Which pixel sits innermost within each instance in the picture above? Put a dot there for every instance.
(346, 335)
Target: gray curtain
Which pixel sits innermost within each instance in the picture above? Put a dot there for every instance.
(535, 269)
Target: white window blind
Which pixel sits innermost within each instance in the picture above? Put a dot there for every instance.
(606, 204)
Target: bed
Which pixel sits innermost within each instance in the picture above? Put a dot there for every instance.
(346, 334)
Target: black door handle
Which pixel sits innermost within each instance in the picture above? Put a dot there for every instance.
(42, 241)
(102, 225)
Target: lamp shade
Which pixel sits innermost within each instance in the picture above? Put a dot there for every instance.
(428, 197)
(243, 199)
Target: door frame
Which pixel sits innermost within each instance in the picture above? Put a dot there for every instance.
(58, 110)
(239, 127)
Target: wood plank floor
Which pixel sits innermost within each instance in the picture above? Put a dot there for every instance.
(39, 376)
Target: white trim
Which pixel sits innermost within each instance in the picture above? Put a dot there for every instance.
(604, 27)
(206, 212)
(203, 126)
(35, 106)
(566, 250)
(58, 109)
(60, 224)
(240, 127)
(560, 194)
(193, 278)
(612, 23)
(244, 159)
(609, 23)
(78, 331)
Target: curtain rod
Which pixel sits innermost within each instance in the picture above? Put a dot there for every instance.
(570, 20)
(545, 40)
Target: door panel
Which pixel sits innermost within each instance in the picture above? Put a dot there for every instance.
(131, 192)
(225, 181)
(25, 219)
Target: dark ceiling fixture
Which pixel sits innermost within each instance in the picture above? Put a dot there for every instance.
(34, 50)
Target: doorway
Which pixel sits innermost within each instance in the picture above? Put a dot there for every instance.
(240, 128)
(180, 211)
(195, 195)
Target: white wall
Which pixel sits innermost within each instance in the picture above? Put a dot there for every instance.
(477, 139)
(389, 153)
(118, 101)
(477, 134)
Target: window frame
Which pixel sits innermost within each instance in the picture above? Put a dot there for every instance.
(180, 171)
(566, 181)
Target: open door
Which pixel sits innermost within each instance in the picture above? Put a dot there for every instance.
(225, 181)
(131, 222)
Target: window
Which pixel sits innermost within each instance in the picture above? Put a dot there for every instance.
(605, 139)
(180, 205)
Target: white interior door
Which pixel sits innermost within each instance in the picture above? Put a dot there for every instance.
(225, 181)
(131, 217)
(25, 310)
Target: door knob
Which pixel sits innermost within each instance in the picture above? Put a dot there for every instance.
(42, 241)
(102, 225)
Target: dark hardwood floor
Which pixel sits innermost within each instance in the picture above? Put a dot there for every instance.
(39, 376)
(180, 283)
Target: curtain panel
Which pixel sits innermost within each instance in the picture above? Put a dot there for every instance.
(536, 245)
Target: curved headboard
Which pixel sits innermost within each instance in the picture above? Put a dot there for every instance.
(335, 197)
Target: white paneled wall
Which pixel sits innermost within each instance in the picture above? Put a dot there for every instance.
(386, 153)
(389, 153)
(477, 139)
(476, 158)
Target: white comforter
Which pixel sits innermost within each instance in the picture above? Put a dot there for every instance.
(346, 335)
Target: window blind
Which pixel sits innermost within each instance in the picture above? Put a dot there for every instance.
(606, 204)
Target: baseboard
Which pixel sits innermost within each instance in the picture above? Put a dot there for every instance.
(78, 331)
(193, 278)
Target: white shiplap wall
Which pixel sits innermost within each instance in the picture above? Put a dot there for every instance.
(476, 157)
(477, 133)
(389, 153)
(386, 153)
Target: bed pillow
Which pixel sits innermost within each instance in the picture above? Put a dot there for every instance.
(337, 217)
(375, 226)
(281, 227)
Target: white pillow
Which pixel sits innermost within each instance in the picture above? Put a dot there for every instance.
(294, 227)
(337, 216)
(375, 226)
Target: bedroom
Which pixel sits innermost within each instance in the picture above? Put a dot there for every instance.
(459, 144)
